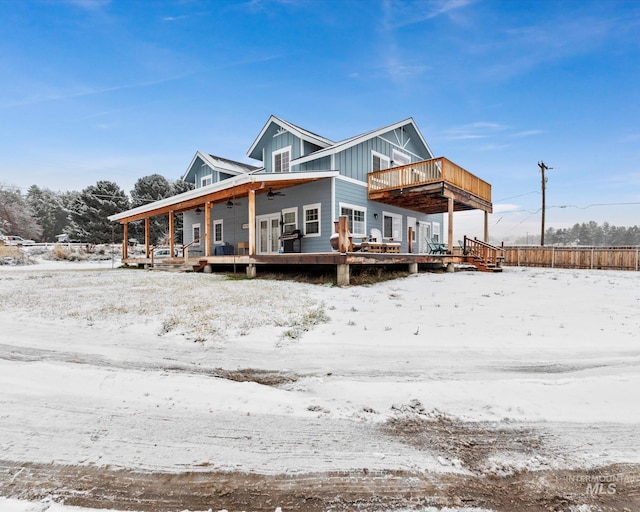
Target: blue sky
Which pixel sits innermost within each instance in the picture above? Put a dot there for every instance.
(99, 89)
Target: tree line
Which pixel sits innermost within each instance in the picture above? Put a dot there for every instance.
(41, 214)
(591, 234)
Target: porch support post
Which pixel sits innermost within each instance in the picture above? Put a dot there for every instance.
(172, 233)
(147, 236)
(252, 224)
(486, 227)
(207, 228)
(343, 235)
(342, 277)
(413, 268)
(450, 233)
(125, 240)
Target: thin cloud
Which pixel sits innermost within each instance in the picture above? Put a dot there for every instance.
(527, 133)
(89, 5)
(400, 14)
(83, 91)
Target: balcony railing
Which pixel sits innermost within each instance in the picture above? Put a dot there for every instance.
(427, 172)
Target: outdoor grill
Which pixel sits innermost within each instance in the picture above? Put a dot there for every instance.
(292, 241)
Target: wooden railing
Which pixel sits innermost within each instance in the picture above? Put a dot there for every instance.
(185, 249)
(490, 254)
(429, 171)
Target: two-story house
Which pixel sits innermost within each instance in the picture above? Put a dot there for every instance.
(386, 181)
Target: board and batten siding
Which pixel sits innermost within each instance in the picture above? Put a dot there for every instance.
(356, 162)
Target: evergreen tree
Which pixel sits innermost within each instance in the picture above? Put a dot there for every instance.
(91, 207)
(49, 211)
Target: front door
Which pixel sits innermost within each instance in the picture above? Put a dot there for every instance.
(424, 232)
(268, 228)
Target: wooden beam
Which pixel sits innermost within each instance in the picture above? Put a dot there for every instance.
(252, 222)
(147, 236)
(343, 234)
(486, 227)
(410, 239)
(450, 233)
(125, 241)
(172, 233)
(207, 228)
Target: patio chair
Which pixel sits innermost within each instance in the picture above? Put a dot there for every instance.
(435, 247)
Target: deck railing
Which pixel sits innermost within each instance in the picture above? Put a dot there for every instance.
(426, 172)
(490, 254)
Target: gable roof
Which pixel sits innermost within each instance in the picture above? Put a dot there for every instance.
(220, 164)
(353, 141)
(301, 133)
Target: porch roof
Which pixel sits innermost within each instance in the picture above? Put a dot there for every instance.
(236, 186)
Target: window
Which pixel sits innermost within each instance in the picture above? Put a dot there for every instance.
(357, 219)
(400, 158)
(312, 219)
(436, 232)
(281, 160)
(392, 226)
(217, 231)
(195, 230)
(379, 161)
(206, 180)
(289, 220)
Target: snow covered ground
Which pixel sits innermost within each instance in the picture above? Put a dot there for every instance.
(162, 372)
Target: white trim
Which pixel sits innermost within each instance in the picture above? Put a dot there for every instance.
(213, 232)
(353, 141)
(396, 226)
(383, 158)
(293, 210)
(204, 178)
(301, 133)
(435, 232)
(403, 156)
(224, 185)
(352, 180)
(333, 202)
(195, 226)
(355, 207)
(224, 164)
(305, 208)
(404, 150)
(277, 152)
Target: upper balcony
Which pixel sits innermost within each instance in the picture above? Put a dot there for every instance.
(427, 187)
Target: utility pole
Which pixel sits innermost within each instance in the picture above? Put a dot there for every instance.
(543, 168)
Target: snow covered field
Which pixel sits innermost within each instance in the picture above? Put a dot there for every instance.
(162, 372)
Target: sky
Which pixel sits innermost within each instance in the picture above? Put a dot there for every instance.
(116, 90)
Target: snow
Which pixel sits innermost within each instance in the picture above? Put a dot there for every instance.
(113, 367)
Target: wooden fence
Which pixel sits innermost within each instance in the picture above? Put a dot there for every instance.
(609, 258)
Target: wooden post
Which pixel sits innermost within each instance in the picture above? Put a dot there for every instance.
(147, 236)
(486, 227)
(343, 234)
(411, 239)
(450, 234)
(252, 223)
(207, 228)
(125, 241)
(172, 233)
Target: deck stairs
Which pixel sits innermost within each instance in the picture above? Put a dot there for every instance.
(483, 256)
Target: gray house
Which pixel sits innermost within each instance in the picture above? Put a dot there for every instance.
(386, 183)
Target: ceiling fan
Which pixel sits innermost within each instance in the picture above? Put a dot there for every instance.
(271, 194)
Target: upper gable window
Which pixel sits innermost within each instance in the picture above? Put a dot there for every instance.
(400, 158)
(206, 180)
(379, 161)
(281, 159)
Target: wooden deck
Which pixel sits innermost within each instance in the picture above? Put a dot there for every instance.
(427, 187)
(342, 262)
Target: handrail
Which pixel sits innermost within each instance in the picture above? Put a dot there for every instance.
(425, 172)
(490, 254)
(185, 248)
